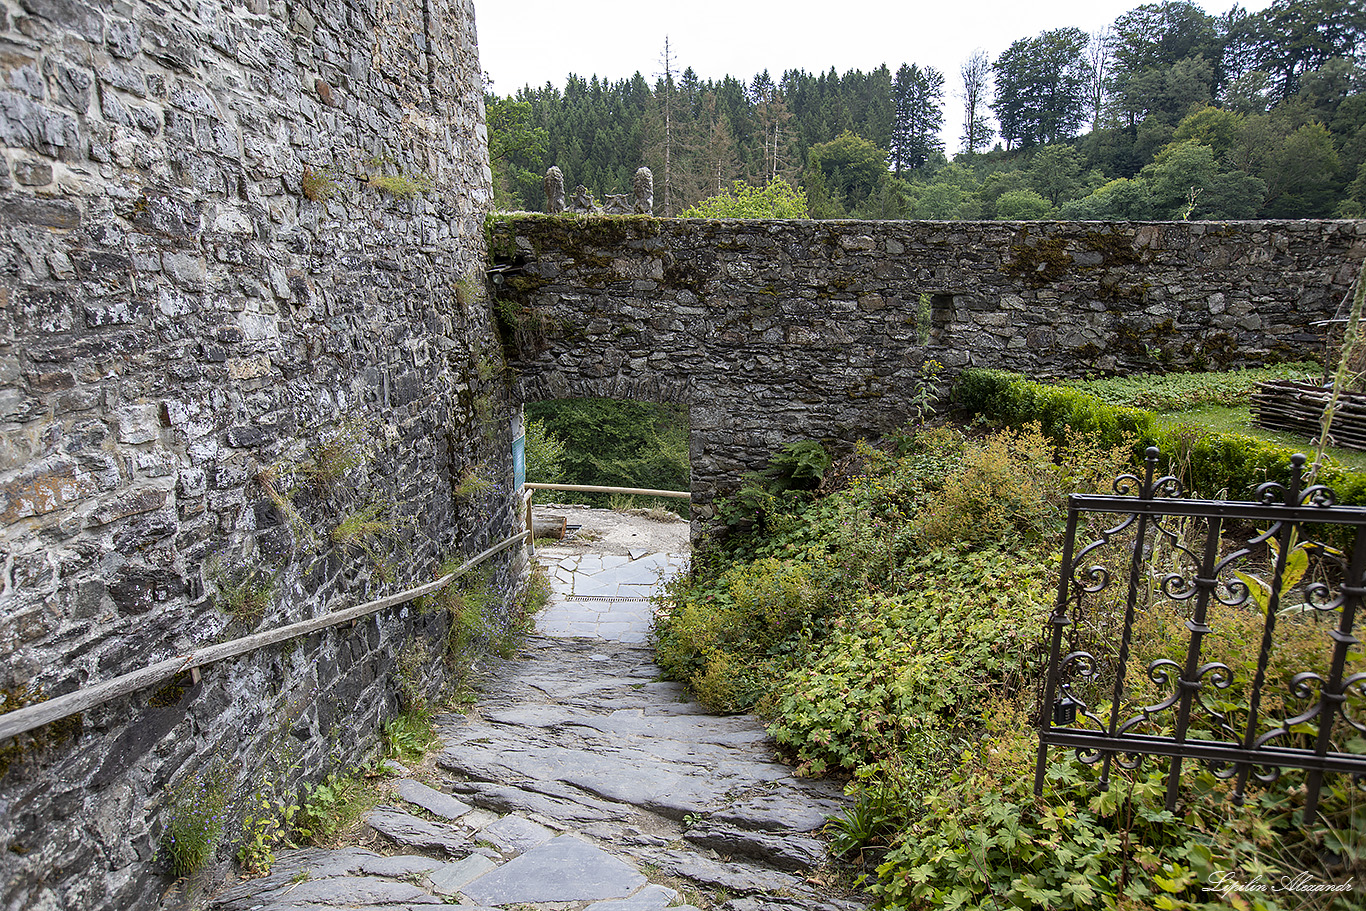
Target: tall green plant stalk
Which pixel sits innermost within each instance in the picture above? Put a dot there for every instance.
(1351, 338)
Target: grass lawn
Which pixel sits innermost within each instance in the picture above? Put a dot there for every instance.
(1238, 419)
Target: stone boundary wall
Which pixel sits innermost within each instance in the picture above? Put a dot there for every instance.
(774, 331)
(243, 344)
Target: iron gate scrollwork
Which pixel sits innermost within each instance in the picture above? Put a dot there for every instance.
(1188, 583)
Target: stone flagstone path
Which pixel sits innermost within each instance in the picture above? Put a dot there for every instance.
(581, 782)
(604, 596)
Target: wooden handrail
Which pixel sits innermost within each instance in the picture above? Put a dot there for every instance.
(590, 488)
(34, 716)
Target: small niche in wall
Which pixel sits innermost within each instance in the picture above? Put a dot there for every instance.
(933, 315)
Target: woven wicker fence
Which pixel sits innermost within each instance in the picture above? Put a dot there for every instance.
(1298, 408)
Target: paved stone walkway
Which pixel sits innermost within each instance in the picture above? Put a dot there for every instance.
(605, 596)
(580, 781)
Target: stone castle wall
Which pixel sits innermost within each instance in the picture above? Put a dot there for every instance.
(778, 331)
(231, 335)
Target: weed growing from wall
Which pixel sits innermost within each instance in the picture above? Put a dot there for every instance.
(366, 530)
(194, 817)
(400, 185)
(16, 750)
(244, 592)
(473, 625)
(317, 185)
(411, 668)
(474, 483)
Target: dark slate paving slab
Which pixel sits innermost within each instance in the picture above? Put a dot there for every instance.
(334, 892)
(651, 898)
(784, 850)
(314, 906)
(414, 832)
(398, 866)
(448, 879)
(431, 800)
(737, 878)
(563, 805)
(561, 870)
(515, 833)
(788, 808)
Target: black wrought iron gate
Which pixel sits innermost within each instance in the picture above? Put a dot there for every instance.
(1170, 577)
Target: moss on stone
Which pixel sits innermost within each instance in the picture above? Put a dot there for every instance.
(1040, 263)
(22, 747)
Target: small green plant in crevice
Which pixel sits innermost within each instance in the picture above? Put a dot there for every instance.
(22, 748)
(521, 620)
(243, 591)
(330, 805)
(409, 669)
(474, 482)
(366, 529)
(334, 455)
(277, 480)
(409, 735)
(399, 185)
(470, 290)
(470, 601)
(195, 812)
(522, 327)
(489, 363)
(317, 184)
(265, 829)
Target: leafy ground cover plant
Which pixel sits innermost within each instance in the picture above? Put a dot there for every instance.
(888, 627)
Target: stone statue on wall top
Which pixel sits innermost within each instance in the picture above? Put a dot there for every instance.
(618, 204)
(554, 191)
(582, 202)
(643, 187)
(640, 201)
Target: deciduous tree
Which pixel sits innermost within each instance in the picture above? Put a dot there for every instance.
(1041, 87)
(976, 76)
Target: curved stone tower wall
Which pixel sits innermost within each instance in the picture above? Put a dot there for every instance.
(241, 315)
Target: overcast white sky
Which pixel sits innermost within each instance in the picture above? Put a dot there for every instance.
(531, 42)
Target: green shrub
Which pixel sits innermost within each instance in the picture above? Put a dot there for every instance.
(778, 199)
(961, 631)
(1209, 464)
(892, 629)
(722, 638)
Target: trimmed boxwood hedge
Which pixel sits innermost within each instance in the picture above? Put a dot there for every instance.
(1212, 464)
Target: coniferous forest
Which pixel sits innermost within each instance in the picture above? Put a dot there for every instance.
(1167, 113)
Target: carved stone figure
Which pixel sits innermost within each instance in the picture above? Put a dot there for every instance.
(618, 204)
(554, 191)
(582, 201)
(644, 188)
